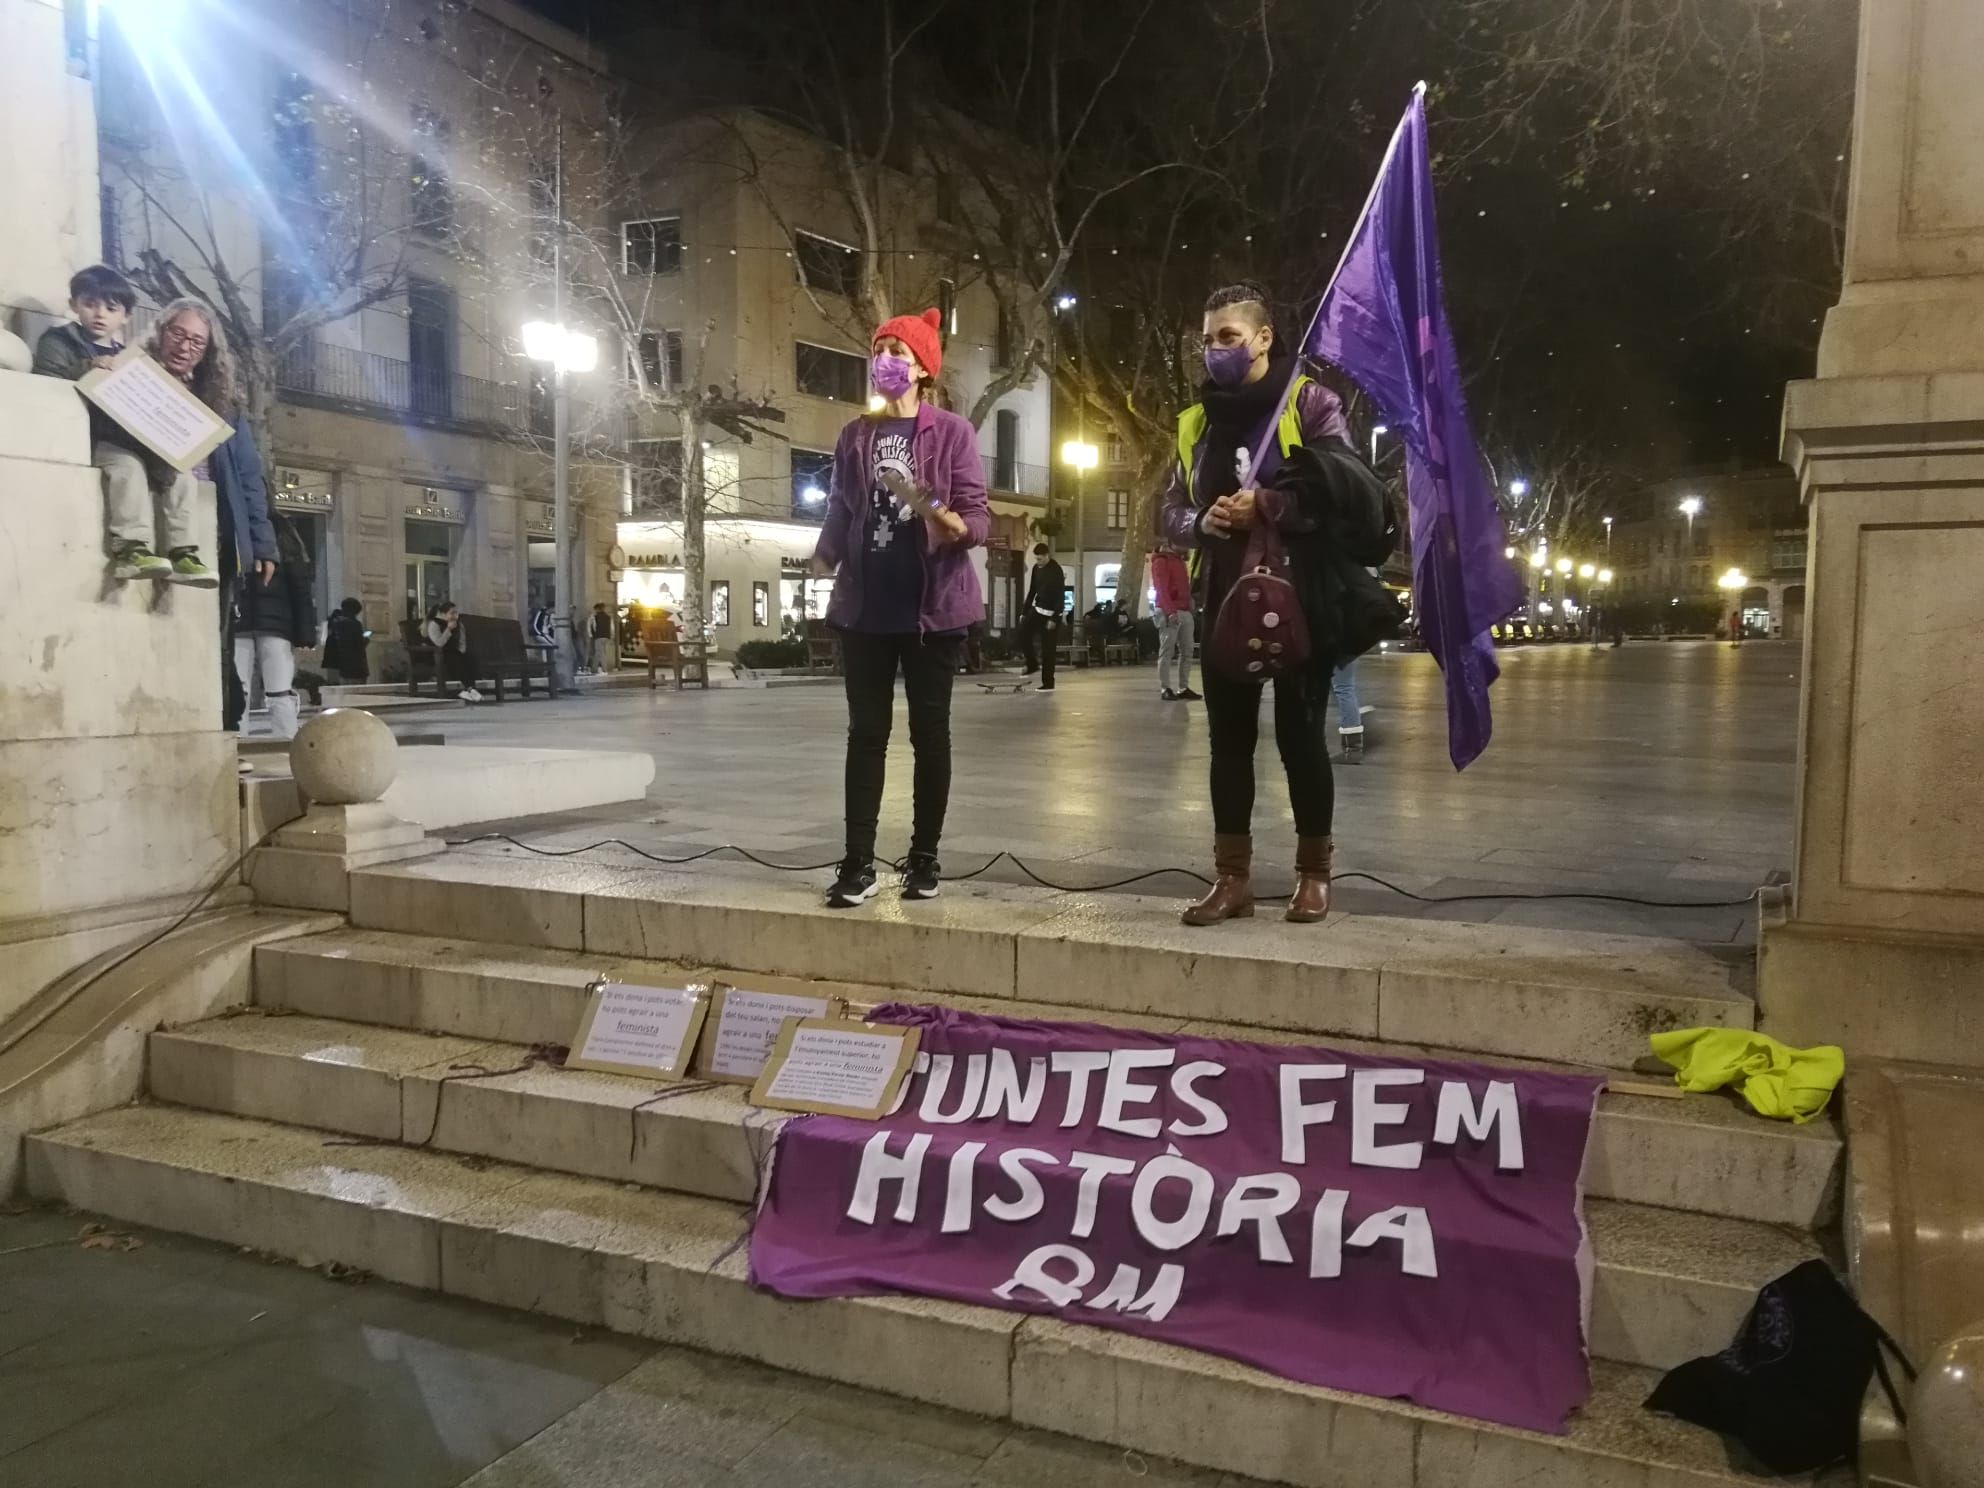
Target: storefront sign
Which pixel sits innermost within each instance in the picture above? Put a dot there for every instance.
(1400, 1228)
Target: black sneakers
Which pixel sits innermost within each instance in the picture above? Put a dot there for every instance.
(854, 885)
(919, 876)
(1186, 695)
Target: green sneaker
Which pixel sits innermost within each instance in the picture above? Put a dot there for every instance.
(136, 561)
(186, 568)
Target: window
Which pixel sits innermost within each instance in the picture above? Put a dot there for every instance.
(430, 330)
(947, 197)
(111, 212)
(1115, 449)
(720, 602)
(1701, 538)
(657, 358)
(428, 549)
(1119, 510)
(825, 373)
(825, 265)
(947, 305)
(433, 197)
(761, 604)
(655, 470)
(651, 246)
(812, 479)
(1006, 451)
(293, 136)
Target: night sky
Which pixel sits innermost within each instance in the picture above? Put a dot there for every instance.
(1652, 311)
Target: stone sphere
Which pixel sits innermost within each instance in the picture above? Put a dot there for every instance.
(1946, 1414)
(343, 758)
(14, 353)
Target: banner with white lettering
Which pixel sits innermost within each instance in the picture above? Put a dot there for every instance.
(1402, 1228)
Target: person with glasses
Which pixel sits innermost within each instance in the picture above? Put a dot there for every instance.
(187, 342)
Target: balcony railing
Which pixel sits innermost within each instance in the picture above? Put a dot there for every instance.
(370, 382)
(1016, 478)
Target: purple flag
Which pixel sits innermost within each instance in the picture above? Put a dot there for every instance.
(1400, 1227)
(1384, 322)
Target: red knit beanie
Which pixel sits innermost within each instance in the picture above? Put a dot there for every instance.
(920, 334)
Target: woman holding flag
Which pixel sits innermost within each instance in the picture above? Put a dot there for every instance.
(1323, 507)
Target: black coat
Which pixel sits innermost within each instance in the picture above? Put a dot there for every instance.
(344, 647)
(283, 607)
(1356, 528)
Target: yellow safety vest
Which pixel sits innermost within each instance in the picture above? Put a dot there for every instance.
(1192, 429)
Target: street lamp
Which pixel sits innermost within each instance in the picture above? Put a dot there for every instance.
(1605, 576)
(1587, 570)
(1564, 567)
(1608, 533)
(1081, 457)
(567, 351)
(1518, 488)
(1376, 431)
(1537, 558)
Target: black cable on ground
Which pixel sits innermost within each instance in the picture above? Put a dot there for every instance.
(1118, 883)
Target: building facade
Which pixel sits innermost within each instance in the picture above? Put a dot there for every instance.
(737, 267)
(408, 438)
(1747, 522)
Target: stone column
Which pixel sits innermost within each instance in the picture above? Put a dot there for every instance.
(1882, 949)
(118, 794)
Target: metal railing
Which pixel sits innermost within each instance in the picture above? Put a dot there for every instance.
(366, 380)
(1015, 477)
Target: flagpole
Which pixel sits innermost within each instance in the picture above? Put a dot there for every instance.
(1370, 203)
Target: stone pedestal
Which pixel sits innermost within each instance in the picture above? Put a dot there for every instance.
(343, 761)
(1883, 950)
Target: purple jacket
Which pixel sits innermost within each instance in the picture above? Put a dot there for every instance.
(949, 466)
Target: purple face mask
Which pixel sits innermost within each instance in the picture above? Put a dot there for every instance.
(891, 375)
(1228, 366)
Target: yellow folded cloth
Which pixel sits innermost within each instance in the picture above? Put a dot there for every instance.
(1776, 1079)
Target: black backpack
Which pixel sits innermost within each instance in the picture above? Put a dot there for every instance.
(1791, 1386)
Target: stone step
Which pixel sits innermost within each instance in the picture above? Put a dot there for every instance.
(1492, 989)
(1706, 1154)
(1670, 1286)
(674, 1268)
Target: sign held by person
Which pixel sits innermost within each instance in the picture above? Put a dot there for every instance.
(155, 408)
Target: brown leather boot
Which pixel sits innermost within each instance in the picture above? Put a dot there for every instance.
(1231, 896)
(1311, 900)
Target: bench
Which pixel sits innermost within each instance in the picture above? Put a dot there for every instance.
(666, 650)
(496, 650)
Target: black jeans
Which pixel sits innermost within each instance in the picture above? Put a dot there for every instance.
(1233, 712)
(1039, 636)
(869, 664)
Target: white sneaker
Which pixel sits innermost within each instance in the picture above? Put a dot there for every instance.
(469, 695)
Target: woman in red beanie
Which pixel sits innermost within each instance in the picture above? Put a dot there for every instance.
(905, 592)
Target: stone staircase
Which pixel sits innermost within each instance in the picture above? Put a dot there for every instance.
(379, 1105)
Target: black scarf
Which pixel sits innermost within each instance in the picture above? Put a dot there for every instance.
(1234, 417)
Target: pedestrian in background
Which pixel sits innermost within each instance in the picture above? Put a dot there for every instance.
(451, 658)
(1040, 616)
(1349, 712)
(1175, 625)
(273, 621)
(599, 638)
(346, 641)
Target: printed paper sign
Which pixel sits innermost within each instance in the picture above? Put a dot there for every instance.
(1403, 1227)
(155, 407)
(634, 1030)
(743, 1028)
(836, 1066)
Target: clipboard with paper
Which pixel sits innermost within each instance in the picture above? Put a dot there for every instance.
(155, 408)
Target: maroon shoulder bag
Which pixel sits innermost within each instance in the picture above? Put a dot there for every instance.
(1260, 632)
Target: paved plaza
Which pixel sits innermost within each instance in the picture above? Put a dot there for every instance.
(134, 1359)
(1658, 771)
